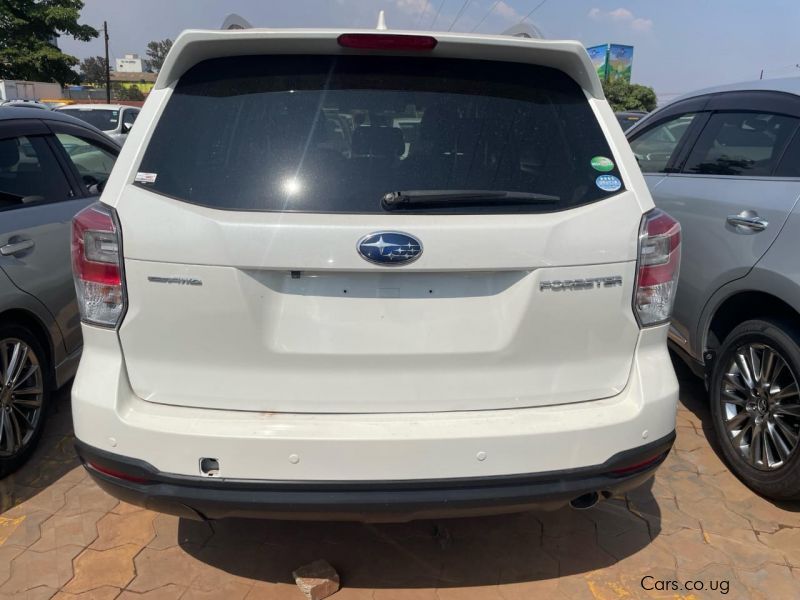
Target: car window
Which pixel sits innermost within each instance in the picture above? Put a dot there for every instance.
(627, 120)
(93, 163)
(337, 134)
(129, 116)
(29, 173)
(741, 144)
(789, 165)
(104, 119)
(655, 146)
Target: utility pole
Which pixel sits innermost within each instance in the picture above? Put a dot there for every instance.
(108, 65)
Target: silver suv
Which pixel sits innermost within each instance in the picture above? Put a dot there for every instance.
(726, 163)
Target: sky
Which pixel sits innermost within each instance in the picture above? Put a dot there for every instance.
(680, 45)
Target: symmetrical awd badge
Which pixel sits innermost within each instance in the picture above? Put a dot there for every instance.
(389, 248)
(581, 284)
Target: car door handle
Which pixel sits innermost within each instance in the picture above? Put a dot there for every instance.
(749, 220)
(16, 247)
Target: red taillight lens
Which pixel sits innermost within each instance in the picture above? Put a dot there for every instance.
(97, 266)
(386, 41)
(659, 262)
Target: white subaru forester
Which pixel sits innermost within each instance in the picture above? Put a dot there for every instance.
(373, 275)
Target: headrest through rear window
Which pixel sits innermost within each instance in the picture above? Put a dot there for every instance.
(378, 141)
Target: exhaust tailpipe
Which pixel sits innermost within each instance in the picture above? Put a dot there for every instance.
(585, 501)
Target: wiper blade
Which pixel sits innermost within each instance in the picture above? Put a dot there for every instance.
(441, 198)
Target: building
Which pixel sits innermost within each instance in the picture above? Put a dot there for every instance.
(143, 81)
(130, 64)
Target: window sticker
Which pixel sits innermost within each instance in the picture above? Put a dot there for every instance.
(608, 183)
(145, 177)
(602, 163)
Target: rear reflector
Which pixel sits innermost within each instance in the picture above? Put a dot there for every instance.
(639, 465)
(116, 474)
(386, 41)
(659, 261)
(97, 266)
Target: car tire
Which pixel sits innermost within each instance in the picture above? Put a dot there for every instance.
(755, 406)
(22, 415)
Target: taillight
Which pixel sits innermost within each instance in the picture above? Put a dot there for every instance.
(97, 266)
(386, 41)
(659, 261)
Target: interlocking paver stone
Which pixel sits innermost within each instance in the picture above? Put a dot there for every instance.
(87, 497)
(167, 592)
(28, 529)
(159, 568)
(95, 568)
(33, 569)
(130, 528)
(64, 530)
(102, 593)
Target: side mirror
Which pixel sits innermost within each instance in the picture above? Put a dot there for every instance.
(126, 127)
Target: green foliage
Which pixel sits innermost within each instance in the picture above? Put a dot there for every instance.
(93, 70)
(129, 93)
(629, 96)
(156, 53)
(28, 30)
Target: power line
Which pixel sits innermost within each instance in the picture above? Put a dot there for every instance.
(488, 12)
(458, 15)
(421, 13)
(533, 10)
(441, 4)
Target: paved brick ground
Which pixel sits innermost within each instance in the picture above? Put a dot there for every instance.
(62, 537)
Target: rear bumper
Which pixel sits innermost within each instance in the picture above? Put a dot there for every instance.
(376, 447)
(194, 497)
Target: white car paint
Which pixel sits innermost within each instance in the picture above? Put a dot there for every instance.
(255, 367)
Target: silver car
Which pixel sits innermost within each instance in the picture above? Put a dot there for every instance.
(115, 120)
(51, 167)
(726, 163)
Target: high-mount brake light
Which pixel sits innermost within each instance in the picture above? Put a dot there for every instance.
(659, 263)
(386, 41)
(97, 266)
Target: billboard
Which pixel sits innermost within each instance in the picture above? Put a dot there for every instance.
(612, 61)
(599, 58)
(620, 62)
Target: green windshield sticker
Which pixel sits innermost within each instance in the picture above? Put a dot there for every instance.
(601, 163)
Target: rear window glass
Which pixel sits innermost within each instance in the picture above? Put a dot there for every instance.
(741, 144)
(336, 134)
(103, 119)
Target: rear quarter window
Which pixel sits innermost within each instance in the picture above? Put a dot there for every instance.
(337, 133)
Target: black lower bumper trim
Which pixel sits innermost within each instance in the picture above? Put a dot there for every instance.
(139, 483)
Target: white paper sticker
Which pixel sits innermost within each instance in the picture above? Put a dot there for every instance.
(145, 177)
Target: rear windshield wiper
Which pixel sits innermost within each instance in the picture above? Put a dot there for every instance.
(441, 198)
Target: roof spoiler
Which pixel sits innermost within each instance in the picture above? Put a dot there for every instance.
(195, 46)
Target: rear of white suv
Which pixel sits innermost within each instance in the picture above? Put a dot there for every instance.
(294, 308)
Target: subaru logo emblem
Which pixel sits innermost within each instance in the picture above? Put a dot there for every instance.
(389, 248)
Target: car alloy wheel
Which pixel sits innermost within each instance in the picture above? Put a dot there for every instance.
(760, 404)
(21, 395)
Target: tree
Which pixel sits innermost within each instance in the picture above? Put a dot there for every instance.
(93, 70)
(629, 96)
(156, 53)
(28, 33)
(129, 93)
